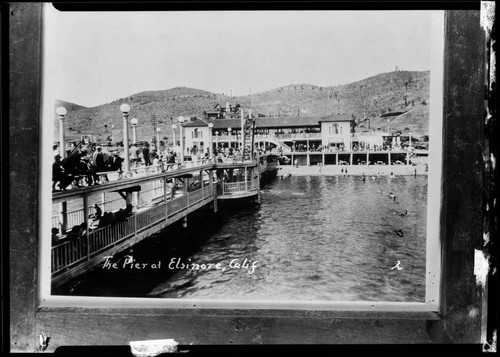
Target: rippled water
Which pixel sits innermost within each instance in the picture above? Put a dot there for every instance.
(315, 238)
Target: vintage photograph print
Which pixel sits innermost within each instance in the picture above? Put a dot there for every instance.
(242, 156)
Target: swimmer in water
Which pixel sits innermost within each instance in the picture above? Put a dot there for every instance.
(399, 232)
(391, 196)
(405, 212)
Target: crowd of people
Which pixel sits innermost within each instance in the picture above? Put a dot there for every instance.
(82, 166)
(109, 218)
(87, 166)
(301, 147)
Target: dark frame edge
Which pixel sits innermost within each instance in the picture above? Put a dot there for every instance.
(28, 320)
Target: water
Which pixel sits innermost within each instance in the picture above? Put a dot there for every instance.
(311, 238)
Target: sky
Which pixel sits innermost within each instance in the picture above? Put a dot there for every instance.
(93, 58)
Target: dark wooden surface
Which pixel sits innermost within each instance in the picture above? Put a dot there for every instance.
(463, 175)
(25, 45)
(235, 327)
(461, 232)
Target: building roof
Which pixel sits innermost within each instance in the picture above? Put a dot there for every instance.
(272, 122)
(337, 117)
(195, 123)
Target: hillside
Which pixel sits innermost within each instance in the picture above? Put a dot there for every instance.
(371, 102)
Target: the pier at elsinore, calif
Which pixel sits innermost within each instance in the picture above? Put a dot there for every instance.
(156, 193)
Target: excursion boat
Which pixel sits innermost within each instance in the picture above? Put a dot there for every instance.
(267, 167)
(238, 182)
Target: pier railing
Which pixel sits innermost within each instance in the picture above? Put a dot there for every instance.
(299, 136)
(76, 217)
(70, 253)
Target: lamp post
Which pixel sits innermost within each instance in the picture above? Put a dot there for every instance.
(125, 108)
(181, 134)
(229, 132)
(61, 111)
(216, 141)
(158, 130)
(134, 122)
(409, 134)
(210, 127)
(174, 127)
(242, 121)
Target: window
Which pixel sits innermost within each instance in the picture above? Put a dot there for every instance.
(335, 128)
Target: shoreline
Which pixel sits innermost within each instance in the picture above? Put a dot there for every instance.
(353, 170)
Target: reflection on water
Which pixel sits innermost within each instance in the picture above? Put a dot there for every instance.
(315, 238)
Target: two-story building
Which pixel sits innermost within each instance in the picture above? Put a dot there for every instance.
(297, 133)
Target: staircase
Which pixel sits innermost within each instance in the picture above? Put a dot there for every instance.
(275, 140)
(248, 139)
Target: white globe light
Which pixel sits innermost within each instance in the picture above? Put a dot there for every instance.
(174, 126)
(134, 121)
(211, 125)
(61, 111)
(158, 129)
(181, 119)
(125, 108)
(229, 129)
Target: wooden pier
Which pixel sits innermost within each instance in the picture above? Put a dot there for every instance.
(200, 185)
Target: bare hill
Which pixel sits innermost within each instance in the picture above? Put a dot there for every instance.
(370, 101)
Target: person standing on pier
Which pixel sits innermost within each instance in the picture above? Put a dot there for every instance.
(99, 163)
(171, 188)
(98, 159)
(134, 155)
(170, 158)
(145, 155)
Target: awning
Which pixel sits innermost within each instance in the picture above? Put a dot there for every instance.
(335, 140)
